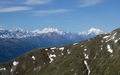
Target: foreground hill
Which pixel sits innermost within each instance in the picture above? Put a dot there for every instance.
(95, 56)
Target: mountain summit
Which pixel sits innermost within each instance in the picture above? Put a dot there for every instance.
(92, 31)
(49, 30)
(96, 56)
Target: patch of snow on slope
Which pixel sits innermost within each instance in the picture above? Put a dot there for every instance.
(15, 63)
(72, 69)
(62, 53)
(113, 37)
(102, 41)
(94, 57)
(75, 43)
(62, 48)
(68, 51)
(46, 49)
(106, 37)
(101, 47)
(86, 56)
(37, 68)
(53, 48)
(33, 57)
(116, 40)
(75, 74)
(11, 70)
(2, 69)
(51, 56)
(85, 62)
(85, 49)
(109, 49)
(81, 45)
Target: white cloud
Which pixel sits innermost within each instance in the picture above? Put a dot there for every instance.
(46, 12)
(34, 2)
(13, 9)
(85, 3)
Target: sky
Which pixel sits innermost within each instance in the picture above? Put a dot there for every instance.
(66, 15)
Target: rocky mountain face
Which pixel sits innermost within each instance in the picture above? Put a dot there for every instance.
(18, 41)
(96, 56)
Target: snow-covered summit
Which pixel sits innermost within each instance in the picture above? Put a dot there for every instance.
(96, 31)
(48, 30)
(92, 31)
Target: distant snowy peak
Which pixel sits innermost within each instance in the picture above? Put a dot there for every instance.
(5, 34)
(96, 31)
(19, 30)
(20, 33)
(49, 30)
(92, 31)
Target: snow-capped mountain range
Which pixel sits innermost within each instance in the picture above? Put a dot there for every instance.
(24, 41)
(21, 33)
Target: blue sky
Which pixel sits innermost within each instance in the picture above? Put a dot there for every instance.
(67, 15)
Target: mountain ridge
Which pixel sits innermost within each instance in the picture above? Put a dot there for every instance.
(21, 33)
